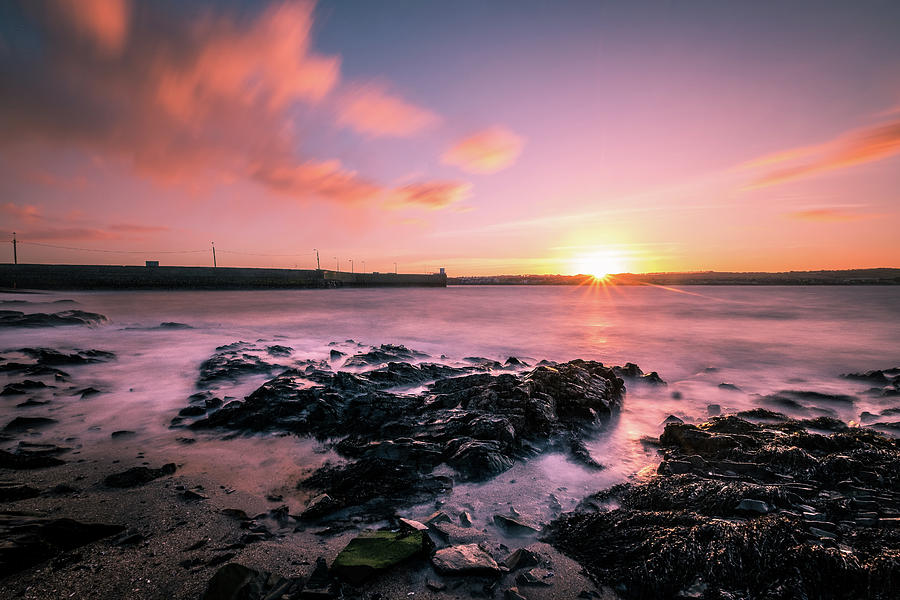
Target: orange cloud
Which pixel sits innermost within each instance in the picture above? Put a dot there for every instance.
(26, 213)
(825, 215)
(487, 151)
(371, 110)
(102, 23)
(184, 97)
(324, 179)
(853, 148)
(433, 194)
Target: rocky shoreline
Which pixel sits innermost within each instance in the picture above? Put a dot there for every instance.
(756, 504)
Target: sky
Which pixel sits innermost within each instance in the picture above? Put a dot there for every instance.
(483, 137)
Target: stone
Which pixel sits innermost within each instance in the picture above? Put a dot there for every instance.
(136, 476)
(514, 526)
(521, 558)
(466, 559)
(749, 505)
(412, 525)
(373, 552)
(237, 582)
(26, 423)
(318, 506)
(535, 576)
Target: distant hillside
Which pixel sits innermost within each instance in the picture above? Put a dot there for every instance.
(847, 277)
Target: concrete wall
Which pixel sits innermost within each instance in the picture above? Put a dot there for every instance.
(106, 277)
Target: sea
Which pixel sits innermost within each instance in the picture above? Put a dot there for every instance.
(756, 340)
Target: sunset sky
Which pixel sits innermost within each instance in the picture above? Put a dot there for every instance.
(484, 137)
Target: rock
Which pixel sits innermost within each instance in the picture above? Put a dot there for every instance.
(122, 433)
(28, 541)
(319, 585)
(237, 582)
(513, 594)
(277, 350)
(535, 577)
(477, 459)
(521, 558)
(672, 419)
(10, 492)
(319, 506)
(14, 318)
(713, 410)
(26, 423)
(467, 559)
(465, 519)
(136, 476)
(373, 552)
(749, 505)
(23, 387)
(514, 526)
(191, 496)
(24, 459)
(411, 525)
(729, 386)
(435, 586)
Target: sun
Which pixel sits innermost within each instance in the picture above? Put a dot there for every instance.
(600, 265)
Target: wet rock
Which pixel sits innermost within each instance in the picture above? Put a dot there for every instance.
(319, 585)
(382, 355)
(412, 525)
(28, 541)
(729, 386)
(713, 410)
(231, 362)
(477, 459)
(122, 433)
(466, 559)
(26, 423)
(788, 485)
(535, 577)
(23, 387)
(15, 318)
(49, 356)
(28, 456)
(319, 505)
(277, 350)
(465, 519)
(136, 476)
(237, 582)
(373, 552)
(521, 558)
(514, 525)
(10, 492)
(751, 506)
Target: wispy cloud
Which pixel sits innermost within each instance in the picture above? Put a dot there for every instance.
(487, 151)
(432, 195)
(372, 110)
(852, 148)
(827, 215)
(25, 213)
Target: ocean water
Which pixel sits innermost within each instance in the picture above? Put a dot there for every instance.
(759, 339)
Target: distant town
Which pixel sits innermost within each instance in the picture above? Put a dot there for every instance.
(846, 277)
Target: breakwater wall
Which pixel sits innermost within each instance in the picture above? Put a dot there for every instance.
(110, 277)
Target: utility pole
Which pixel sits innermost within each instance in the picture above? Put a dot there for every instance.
(318, 266)
(364, 266)
(214, 253)
(337, 264)
(351, 265)
(395, 268)
(15, 254)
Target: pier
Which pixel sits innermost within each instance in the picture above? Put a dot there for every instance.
(112, 277)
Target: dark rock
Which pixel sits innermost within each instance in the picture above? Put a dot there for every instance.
(28, 541)
(237, 582)
(191, 496)
(521, 558)
(26, 423)
(32, 457)
(729, 386)
(122, 433)
(14, 318)
(514, 525)
(713, 410)
(136, 476)
(51, 357)
(535, 577)
(23, 387)
(12, 492)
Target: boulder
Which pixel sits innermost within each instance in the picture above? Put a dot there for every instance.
(373, 552)
(467, 559)
(136, 476)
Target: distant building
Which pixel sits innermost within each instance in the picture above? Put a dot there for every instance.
(152, 263)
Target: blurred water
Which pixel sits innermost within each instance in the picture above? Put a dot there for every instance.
(759, 339)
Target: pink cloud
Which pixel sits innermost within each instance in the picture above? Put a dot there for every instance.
(372, 110)
(25, 213)
(847, 150)
(486, 151)
(48, 234)
(135, 228)
(322, 179)
(432, 194)
(826, 215)
(102, 23)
